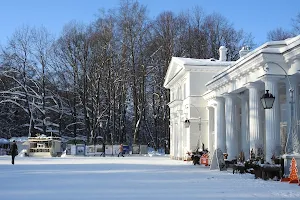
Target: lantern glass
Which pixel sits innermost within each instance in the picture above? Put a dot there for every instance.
(187, 123)
(267, 100)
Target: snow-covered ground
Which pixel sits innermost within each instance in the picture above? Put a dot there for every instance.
(142, 178)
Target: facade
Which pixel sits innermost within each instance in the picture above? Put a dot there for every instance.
(233, 118)
(186, 80)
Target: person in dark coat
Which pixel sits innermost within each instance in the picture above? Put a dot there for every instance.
(14, 151)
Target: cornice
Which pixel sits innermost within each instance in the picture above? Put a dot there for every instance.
(209, 95)
(230, 95)
(292, 54)
(271, 77)
(208, 69)
(237, 72)
(180, 112)
(175, 77)
(175, 103)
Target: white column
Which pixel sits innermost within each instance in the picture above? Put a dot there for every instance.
(294, 136)
(179, 135)
(173, 130)
(177, 131)
(210, 110)
(256, 139)
(295, 85)
(272, 120)
(245, 140)
(237, 124)
(220, 134)
(231, 135)
(171, 145)
(175, 139)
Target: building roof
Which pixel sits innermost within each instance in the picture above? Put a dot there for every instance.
(273, 47)
(200, 62)
(179, 65)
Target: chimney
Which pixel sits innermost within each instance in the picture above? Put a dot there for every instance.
(244, 51)
(222, 53)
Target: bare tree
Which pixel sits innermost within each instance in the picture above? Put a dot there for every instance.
(133, 30)
(17, 56)
(279, 34)
(69, 50)
(296, 24)
(110, 71)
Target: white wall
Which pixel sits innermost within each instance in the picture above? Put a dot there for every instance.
(198, 81)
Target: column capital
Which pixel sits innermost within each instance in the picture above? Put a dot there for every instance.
(209, 107)
(219, 99)
(271, 78)
(243, 95)
(229, 95)
(180, 112)
(294, 65)
(252, 85)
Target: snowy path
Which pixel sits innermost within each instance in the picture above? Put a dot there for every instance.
(157, 178)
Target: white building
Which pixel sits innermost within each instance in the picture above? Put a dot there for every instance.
(226, 95)
(186, 80)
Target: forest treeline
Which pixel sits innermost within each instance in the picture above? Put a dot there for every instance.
(105, 78)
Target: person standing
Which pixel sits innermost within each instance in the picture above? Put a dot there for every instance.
(14, 151)
(121, 150)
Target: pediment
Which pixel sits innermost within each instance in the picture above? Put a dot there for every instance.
(174, 68)
(178, 66)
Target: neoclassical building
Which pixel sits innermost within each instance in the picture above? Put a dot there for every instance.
(226, 96)
(186, 79)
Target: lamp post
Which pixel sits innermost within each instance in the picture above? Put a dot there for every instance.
(104, 134)
(156, 133)
(268, 99)
(187, 124)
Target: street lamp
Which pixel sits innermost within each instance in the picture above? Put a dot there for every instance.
(156, 132)
(101, 125)
(187, 124)
(268, 99)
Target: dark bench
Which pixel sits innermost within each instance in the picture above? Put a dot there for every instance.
(270, 171)
(238, 168)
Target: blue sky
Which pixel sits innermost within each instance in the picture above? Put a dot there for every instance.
(254, 16)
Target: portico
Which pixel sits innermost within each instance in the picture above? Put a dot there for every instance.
(224, 99)
(235, 93)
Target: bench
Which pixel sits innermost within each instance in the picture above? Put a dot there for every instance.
(271, 171)
(238, 168)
